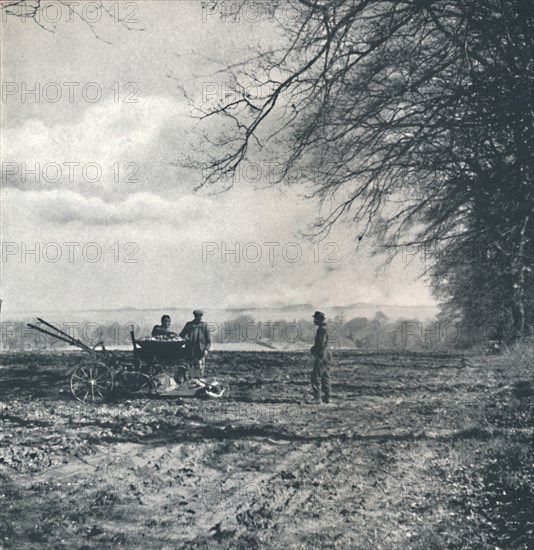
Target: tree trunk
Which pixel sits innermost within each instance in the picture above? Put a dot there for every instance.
(518, 296)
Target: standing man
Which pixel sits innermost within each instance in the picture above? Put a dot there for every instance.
(320, 378)
(198, 341)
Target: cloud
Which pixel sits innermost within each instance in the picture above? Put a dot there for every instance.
(104, 148)
(154, 207)
(170, 235)
(60, 207)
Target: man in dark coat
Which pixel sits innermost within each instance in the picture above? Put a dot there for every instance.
(198, 341)
(320, 377)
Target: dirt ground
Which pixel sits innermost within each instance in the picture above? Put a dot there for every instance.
(417, 451)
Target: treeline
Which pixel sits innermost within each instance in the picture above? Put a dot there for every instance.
(375, 333)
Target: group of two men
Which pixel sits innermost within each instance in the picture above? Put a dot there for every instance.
(196, 335)
(198, 342)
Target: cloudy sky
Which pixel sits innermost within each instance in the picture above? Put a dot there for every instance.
(93, 136)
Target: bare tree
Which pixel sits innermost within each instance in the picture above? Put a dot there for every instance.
(47, 14)
(414, 118)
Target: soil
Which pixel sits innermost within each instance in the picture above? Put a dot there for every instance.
(416, 451)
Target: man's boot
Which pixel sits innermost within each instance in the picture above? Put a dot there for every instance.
(315, 400)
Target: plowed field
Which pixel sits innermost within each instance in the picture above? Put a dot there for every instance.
(416, 451)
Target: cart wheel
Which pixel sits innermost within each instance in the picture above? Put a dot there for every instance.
(137, 383)
(91, 383)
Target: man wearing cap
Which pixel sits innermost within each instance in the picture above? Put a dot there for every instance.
(320, 378)
(198, 341)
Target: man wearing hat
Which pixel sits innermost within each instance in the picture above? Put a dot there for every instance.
(198, 341)
(320, 378)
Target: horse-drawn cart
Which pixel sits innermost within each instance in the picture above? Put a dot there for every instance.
(158, 367)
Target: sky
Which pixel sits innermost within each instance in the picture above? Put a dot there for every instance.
(97, 208)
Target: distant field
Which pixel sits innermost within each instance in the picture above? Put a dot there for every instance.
(418, 451)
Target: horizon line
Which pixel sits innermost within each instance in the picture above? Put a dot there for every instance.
(232, 308)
